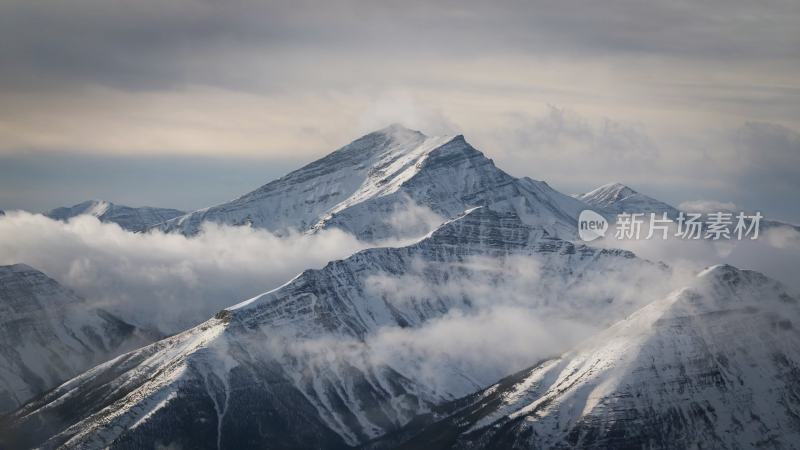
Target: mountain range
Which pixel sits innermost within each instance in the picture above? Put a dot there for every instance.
(401, 346)
(262, 371)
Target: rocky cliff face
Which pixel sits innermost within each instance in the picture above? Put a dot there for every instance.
(713, 365)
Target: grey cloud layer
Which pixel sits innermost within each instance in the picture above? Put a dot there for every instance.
(649, 93)
(168, 43)
(756, 165)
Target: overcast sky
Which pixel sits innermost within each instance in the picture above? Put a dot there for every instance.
(186, 103)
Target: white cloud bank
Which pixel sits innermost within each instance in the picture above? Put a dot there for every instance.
(168, 279)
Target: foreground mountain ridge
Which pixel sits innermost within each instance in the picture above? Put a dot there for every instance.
(712, 365)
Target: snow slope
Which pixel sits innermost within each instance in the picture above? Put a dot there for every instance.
(713, 365)
(129, 218)
(48, 335)
(362, 185)
(297, 367)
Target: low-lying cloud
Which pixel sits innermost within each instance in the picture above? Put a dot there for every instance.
(166, 279)
(484, 317)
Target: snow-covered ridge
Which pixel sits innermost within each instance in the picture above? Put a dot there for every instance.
(129, 218)
(358, 186)
(296, 366)
(712, 365)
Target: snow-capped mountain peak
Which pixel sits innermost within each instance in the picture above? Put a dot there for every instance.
(615, 198)
(611, 192)
(392, 169)
(361, 186)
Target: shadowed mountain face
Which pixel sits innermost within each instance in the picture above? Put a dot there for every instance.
(714, 365)
(49, 335)
(362, 185)
(298, 367)
(131, 219)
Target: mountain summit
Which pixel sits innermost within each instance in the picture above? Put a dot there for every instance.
(395, 171)
(616, 198)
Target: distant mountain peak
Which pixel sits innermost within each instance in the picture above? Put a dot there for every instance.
(95, 207)
(615, 191)
(725, 276)
(127, 217)
(615, 198)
